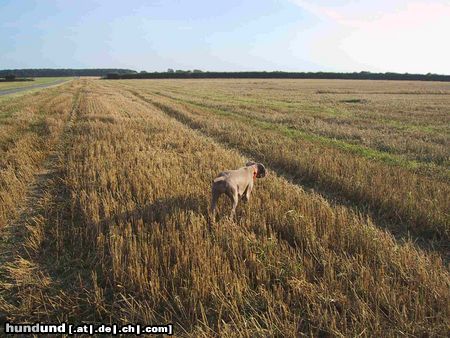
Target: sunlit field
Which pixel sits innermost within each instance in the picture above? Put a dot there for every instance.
(105, 190)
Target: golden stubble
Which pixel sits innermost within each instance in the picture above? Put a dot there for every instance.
(126, 228)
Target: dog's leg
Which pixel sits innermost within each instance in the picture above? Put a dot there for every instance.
(214, 198)
(235, 199)
(247, 192)
(244, 195)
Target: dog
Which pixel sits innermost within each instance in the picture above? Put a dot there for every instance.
(236, 184)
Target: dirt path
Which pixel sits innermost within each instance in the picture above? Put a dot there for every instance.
(23, 89)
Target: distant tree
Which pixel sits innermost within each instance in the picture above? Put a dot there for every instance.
(10, 77)
(170, 70)
(197, 71)
(113, 76)
(143, 72)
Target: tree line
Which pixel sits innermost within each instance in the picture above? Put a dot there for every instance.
(117, 73)
(180, 74)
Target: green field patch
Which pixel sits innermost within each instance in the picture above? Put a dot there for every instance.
(348, 147)
(305, 109)
(5, 115)
(24, 84)
(430, 129)
(314, 110)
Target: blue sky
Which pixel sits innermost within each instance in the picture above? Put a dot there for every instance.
(291, 35)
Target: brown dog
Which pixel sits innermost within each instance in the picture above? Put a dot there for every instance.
(235, 184)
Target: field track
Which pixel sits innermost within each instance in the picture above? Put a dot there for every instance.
(31, 86)
(104, 191)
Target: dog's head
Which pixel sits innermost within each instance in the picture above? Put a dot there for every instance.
(261, 170)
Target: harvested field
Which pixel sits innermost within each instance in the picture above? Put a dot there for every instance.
(105, 187)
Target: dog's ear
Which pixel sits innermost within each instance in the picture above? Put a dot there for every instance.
(250, 163)
(261, 170)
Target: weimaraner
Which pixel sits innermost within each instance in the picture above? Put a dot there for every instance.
(235, 184)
